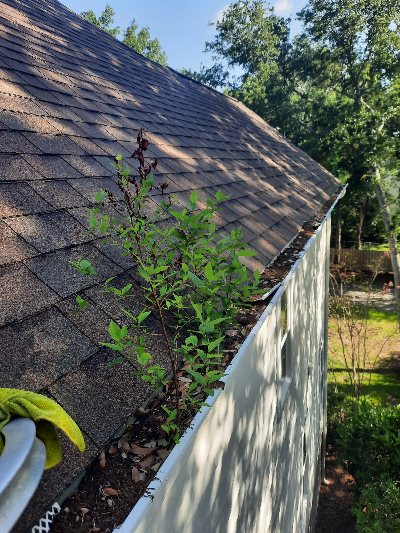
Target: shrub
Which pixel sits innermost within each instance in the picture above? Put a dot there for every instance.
(379, 507)
(188, 270)
(369, 436)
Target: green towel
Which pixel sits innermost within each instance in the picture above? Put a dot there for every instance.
(46, 414)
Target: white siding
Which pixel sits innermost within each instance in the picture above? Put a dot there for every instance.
(241, 468)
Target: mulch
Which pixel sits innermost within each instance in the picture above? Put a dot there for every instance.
(335, 500)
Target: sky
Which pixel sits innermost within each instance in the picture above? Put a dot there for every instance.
(180, 25)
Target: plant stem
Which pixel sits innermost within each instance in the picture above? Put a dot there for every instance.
(170, 352)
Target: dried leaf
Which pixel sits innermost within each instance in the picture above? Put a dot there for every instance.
(156, 466)
(185, 380)
(112, 450)
(110, 503)
(102, 458)
(163, 453)
(110, 492)
(162, 442)
(84, 510)
(137, 450)
(146, 463)
(151, 444)
(123, 442)
(135, 474)
(142, 412)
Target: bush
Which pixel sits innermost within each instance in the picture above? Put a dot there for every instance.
(369, 440)
(379, 507)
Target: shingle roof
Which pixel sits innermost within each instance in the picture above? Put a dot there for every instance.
(71, 98)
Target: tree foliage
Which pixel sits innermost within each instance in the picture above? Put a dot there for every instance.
(140, 41)
(104, 21)
(334, 89)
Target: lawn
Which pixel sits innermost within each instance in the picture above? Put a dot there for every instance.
(381, 380)
(377, 247)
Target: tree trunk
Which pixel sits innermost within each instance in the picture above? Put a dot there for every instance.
(391, 236)
(338, 235)
(361, 220)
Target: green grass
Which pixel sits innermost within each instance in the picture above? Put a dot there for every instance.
(378, 248)
(382, 382)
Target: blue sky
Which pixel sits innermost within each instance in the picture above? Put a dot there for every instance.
(180, 25)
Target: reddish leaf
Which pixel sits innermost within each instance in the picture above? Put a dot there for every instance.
(110, 492)
(135, 474)
(137, 450)
(163, 453)
(112, 450)
(146, 463)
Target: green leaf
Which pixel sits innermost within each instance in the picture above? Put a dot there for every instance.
(210, 392)
(143, 358)
(119, 157)
(93, 220)
(166, 429)
(257, 275)
(208, 271)
(196, 280)
(198, 309)
(85, 264)
(219, 196)
(82, 303)
(194, 197)
(126, 289)
(209, 202)
(143, 315)
(246, 253)
(197, 376)
(114, 331)
(193, 340)
(172, 415)
(116, 347)
(103, 226)
(214, 344)
(116, 361)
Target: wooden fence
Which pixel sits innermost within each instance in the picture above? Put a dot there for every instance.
(365, 260)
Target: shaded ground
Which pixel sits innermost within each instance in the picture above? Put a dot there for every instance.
(335, 500)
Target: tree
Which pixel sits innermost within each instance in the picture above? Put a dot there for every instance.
(138, 41)
(143, 44)
(104, 21)
(333, 89)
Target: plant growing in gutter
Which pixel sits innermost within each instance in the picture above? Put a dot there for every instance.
(189, 273)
